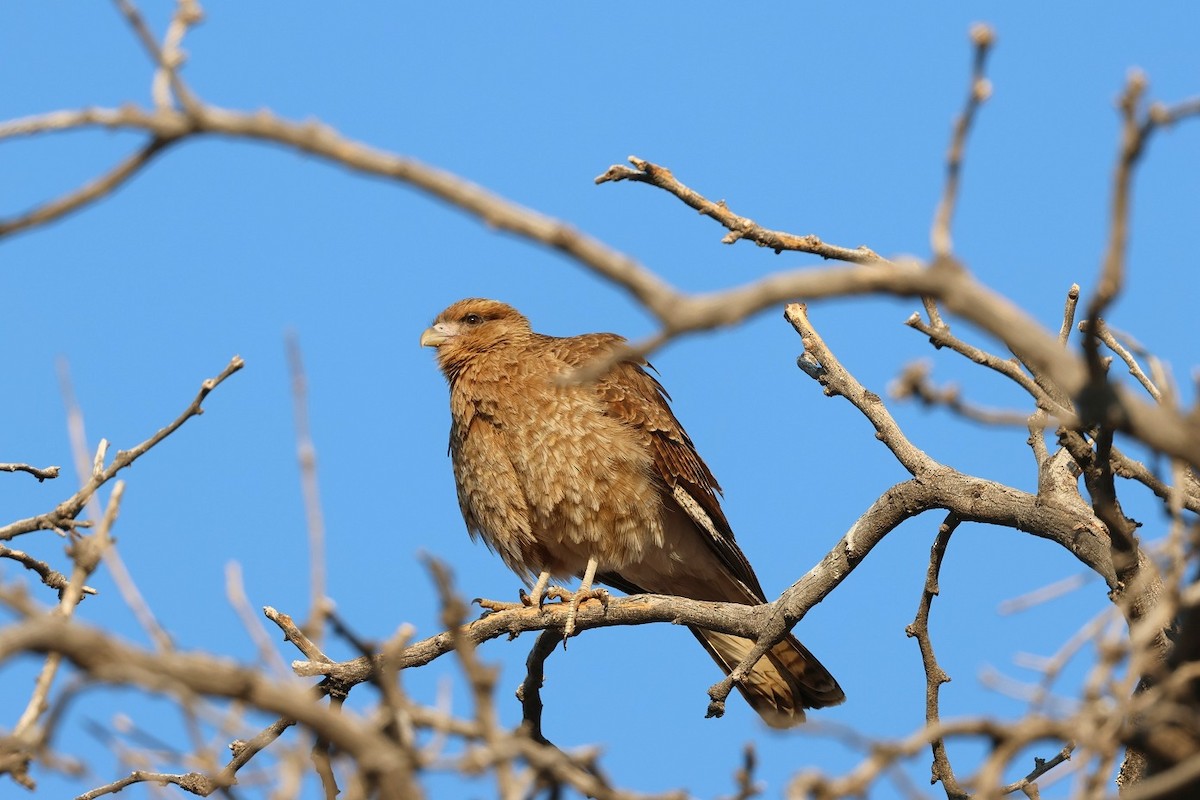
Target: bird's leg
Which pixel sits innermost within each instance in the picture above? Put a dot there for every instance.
(584, 592)
(538, 595)
(535, 598)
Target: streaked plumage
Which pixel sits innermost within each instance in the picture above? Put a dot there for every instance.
(553, 475)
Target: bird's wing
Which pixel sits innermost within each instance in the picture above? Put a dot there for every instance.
(636, 398)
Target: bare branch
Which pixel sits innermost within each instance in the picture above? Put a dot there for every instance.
(86, 553)
(819, 363)
(1133, 142)
(935, 676)
(235, 592)
(168, 58)
(914, 383)
(89, 193)
(306, 455)
(739, 227)
(64, 514)
(530, 690)
(1064, 332)
(747, 788)
(940, 336)
(481, 677)
(192, 782)
(41, 473)
(983, 37)
(1135, 369)
(51, 577)
(945, 281)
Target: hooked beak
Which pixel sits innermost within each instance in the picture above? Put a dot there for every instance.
(435, 336)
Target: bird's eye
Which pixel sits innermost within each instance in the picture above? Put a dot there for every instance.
(472, 319)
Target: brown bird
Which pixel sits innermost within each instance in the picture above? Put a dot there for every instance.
(599, 480)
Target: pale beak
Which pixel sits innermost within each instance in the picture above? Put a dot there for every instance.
(435, 336)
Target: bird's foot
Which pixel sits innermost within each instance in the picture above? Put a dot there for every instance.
(573, 601)
(495, 606)
(534, 599)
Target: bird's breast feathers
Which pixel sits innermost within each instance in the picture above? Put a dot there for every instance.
(537, 460)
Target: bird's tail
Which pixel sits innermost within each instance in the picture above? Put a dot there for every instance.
(784, 682)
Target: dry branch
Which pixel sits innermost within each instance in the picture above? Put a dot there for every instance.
(63, 516)
(1074, 390)
(41, 473)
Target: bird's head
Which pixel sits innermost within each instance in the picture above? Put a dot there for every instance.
(470, 328)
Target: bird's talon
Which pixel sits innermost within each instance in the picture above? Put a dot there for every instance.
(495, 606)
(574, 600)
(559, 593)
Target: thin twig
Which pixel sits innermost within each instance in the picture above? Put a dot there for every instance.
(1068, 322)
(1135, 369)
(942, 337)
(739, 227)
(914, 383)
(481, 677)
(168, 58)
(41, 473)
(86, 553)
(306, 455)
(935, 676)
(64, 514)
(50, 577)
(89, 192)
(235, 592)
(743, 777)
(192, 782)
(982, 37)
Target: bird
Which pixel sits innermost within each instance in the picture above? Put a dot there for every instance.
(597, 479)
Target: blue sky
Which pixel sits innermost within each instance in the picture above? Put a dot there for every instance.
(810, 118)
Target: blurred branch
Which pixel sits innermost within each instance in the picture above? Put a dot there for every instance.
(1003, 737)
(747, 788)
(105, 659)
(306, 455)
(27, 736)
(168, 56)
(87, 465)
(982, 37)
(914, 383)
